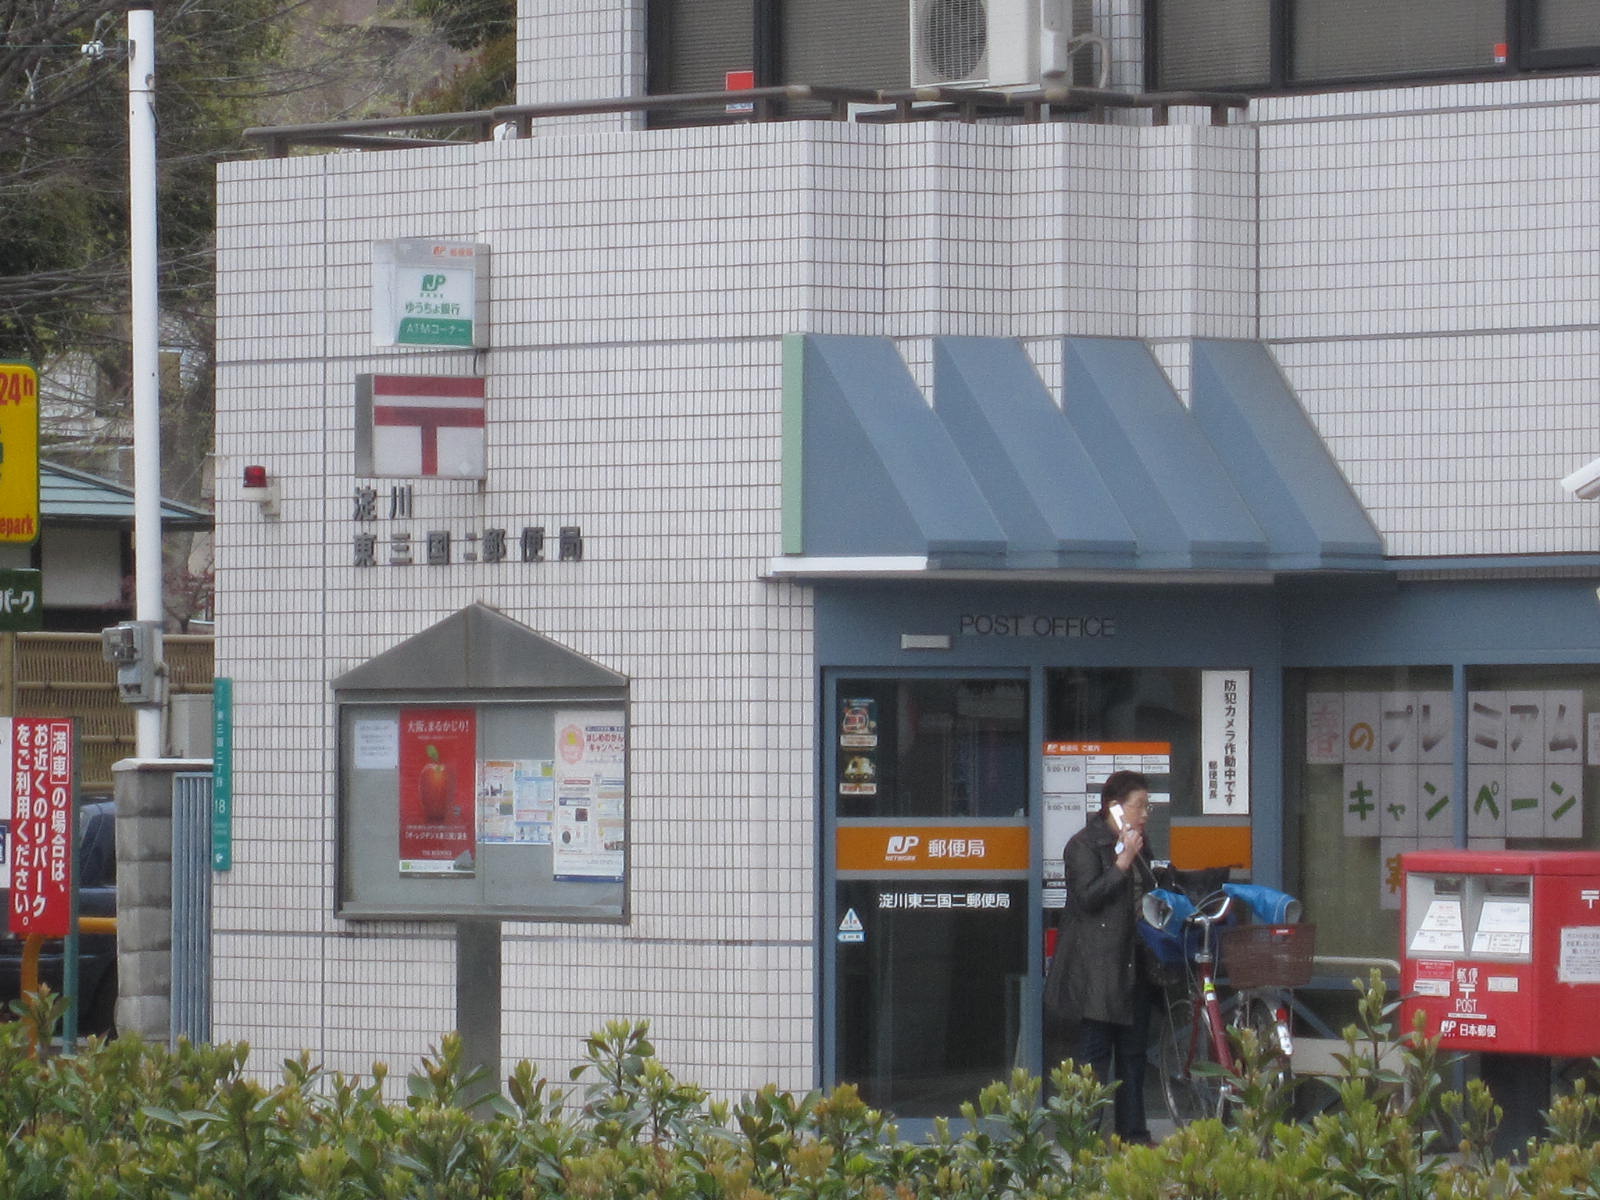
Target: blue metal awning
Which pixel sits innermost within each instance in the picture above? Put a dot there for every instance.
(1122, 479)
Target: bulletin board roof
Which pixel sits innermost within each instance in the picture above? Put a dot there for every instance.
(478, 647)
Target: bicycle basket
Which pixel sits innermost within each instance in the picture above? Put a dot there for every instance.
(1256, 956)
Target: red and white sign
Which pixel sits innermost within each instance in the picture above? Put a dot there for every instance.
(421, 426)
(40, 761)
(739, 81)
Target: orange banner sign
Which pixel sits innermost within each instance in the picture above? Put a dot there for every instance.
(970, 848)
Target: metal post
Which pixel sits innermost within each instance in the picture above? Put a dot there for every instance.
(478, 967)
(146, 333)
(71, 983)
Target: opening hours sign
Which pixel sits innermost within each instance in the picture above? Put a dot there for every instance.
(39, 753)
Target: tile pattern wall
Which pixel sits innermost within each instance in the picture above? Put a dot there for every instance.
(580, 50)
(1430, 269)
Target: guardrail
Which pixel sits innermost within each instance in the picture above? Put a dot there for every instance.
(33, 947)
(787, 103)
(1319, 1056)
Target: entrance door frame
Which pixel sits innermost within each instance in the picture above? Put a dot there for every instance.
(1031, 1041)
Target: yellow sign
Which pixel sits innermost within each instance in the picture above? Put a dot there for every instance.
(19, 453)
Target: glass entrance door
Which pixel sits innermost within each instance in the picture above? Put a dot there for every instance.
(929, 911)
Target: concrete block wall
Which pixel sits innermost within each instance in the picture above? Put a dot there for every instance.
(143, 791)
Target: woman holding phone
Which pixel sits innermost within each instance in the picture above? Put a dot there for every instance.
(1108, 869)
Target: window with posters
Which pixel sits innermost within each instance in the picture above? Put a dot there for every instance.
(1186, 730)
(1370, 754)
(1377, 755)
(502, 791)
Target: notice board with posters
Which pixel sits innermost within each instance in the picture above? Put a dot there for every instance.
(501, 791)
(489, 808)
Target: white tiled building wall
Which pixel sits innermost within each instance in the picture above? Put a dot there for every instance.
(1423, 263)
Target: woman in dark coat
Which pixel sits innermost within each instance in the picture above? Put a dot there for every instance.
(1108, 869)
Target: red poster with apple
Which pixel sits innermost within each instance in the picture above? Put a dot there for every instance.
(438, 777)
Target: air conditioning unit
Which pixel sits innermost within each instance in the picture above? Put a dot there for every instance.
(988, 43)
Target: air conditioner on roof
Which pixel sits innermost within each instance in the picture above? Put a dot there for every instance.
(987, 43)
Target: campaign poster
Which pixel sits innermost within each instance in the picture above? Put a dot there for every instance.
(590, 795)
(438, 777)
(514, 801)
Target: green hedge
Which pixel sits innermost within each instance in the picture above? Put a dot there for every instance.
(131, 1120)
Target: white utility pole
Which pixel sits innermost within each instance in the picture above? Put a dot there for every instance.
(146, 352)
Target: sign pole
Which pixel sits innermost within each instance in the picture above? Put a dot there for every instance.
(71, 985)
(146, 346)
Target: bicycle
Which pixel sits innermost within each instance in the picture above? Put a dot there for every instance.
(1200, 1071)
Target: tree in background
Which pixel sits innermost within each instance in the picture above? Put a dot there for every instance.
(485, 29)
(64, 204)
(220, 67)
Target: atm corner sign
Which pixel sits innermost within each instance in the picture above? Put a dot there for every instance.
(19, 453)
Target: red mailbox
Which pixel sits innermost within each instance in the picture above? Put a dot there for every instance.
(1501, 949)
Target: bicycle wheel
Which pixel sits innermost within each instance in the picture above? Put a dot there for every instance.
(1257, 1014)
(1184, 1046)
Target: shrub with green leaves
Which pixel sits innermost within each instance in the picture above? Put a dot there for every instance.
(127, 1120)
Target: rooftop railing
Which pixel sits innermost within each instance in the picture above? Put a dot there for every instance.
(788, 103)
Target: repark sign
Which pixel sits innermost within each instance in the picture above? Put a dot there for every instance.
(19, 453)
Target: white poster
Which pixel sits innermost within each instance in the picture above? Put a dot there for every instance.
(590, 786)
(1435, 727)
(1361, 720)
(1486, 814)
(1360, 799)
(1436, 810)
(1398, 715)
(1225, 742)
(1580, 954)
(377, 745)
(1563, 815)
(1064, 815)
(1563, 727)
(1325, 728)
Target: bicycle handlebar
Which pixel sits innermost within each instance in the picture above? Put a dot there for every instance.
(1210, 910)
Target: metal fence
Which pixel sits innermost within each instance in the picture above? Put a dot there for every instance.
(191, 907)
(784, 103)
(65, 675)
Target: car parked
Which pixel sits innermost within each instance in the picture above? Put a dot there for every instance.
(97, 952)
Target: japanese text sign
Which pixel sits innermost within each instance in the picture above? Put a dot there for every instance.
(21, 599)
(40, 754)
(1225, 742)
(429, 292)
